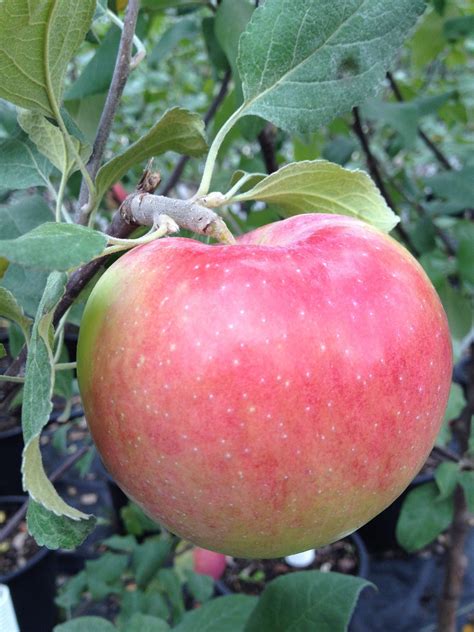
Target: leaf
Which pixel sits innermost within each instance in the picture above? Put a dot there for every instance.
(161, 5)
(71, 591)
(226, 614)
(3, 353)
(124, 543)
(458, 309)
(54, 531)
(446, 477)
(178, 130)
(201, 587)
(36, 408)
(253, 179)
(323, 187)
(170, 586)
(104, 575)
(97, 75)
(182, 29)
(145, 623)
(86, 624)
(423, 517)
(37, 41)
(54, 246)
(50, 141)
(214, 49)
(458, 28)
(21, 165)
(454, 187)
(12, 310)
(148, 558)
(405, 117)
(305, 602)
(465, 252)
(302, 64)
(456, 402)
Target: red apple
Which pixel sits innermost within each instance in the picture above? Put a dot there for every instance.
(208, 562)
(268, 397)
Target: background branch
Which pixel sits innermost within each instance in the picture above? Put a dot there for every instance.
(119, 78)
(266, 139)
(374, 169)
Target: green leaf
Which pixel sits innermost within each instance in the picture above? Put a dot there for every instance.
(97, 75)
(170, 586)
(423, 517)
(230, 22)
(454, 188)
(104, 575)
(182, 29)
(70, 592)
(161, 5)
(136, 521)
(323, 187)
(307, 601)
(124, 543)
(405, 117)
(39, 381)
(178, 130)
(37, 41)
(226, 614)
(302, 64)
(54, 531)
(86, 624)
(145, 623)
(438, 266)
(446, 477)
(148, 558)
(21, 165)
(201, 587)
(466, 480)
(428, 41)
(458, 28)
(465, 251)
(51, 142)
(12, 310)
(456, 402)
(458, 309)
(3, 353)
(54, 246)
(214, 49)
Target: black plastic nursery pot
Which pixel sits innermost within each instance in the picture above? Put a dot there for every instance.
(362, 569)
(379, 535)
(33, 586)
(11, 447)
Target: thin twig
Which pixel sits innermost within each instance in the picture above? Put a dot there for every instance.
(456, 561)
(182, 162)
(119, 78)
(19, 515)
(374, 169)
(440, 157)
(267, 145)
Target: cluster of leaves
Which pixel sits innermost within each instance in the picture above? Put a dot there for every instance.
(153, 588)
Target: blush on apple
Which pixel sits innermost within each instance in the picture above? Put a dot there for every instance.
(208, 562)
(268, 397)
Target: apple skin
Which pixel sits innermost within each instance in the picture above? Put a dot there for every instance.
(268, 397)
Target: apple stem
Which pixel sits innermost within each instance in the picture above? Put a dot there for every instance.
(146, 209)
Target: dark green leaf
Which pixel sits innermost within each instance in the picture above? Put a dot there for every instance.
(214, 49)
(302, 64)
(467, 481)
(148, 558)
(458, 28)
(146, 623)
(225, 614)
(54, 246)
(178, 130)
(423, 517)
(104, 575)
(305, 602)
(458, 309)
(201, 587)
(54, 531)
(454, 187)
(71, 591)
(446, 476)
(86, 624)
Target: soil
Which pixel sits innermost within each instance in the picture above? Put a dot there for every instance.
(251, 576)
(19, 547)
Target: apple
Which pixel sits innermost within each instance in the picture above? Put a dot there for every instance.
(268, 397)
(208, 562)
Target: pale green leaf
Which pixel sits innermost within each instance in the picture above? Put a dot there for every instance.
(54, 246)
(423, 517)
(307, 601)
(37, 41)
(304, 63)
(21, 165)
(323, 187)
(12, 310)
(51, 142)
(178, 130)
(251, 179)
(226, 614)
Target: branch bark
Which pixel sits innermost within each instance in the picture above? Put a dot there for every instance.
(119, 78)
(267, 146)
(456, 561)
(374, 169)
